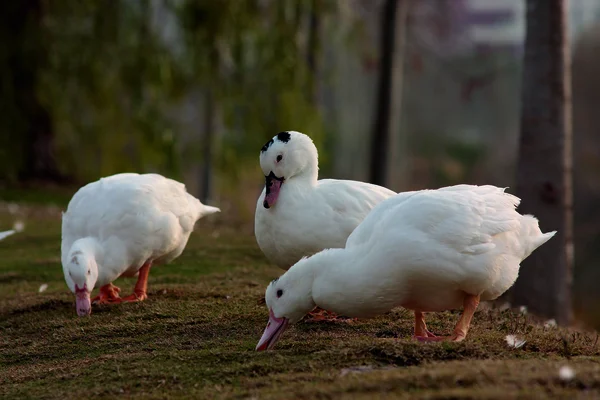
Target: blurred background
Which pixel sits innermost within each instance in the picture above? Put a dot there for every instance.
(193, 88)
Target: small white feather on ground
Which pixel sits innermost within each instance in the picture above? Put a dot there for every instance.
(523, 310)
(551, 323)
(513, 341)
(566, 373)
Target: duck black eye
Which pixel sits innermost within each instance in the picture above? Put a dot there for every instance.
(279, 158)
(89, 272)
(279, 293)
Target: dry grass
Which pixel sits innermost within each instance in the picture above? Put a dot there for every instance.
(195, 337)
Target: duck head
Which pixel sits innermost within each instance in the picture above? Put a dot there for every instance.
(288, 298)
(288, 155)
(81, 273)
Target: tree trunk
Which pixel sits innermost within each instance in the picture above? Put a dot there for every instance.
(312, 50)
(207, 146)
(32, 132)
(544, 168)
(397, 153)
(380, 137)
(386, 121)
(586, 187)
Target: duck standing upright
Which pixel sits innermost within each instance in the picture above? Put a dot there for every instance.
(427, 251)
(120, 226)
(298, 215)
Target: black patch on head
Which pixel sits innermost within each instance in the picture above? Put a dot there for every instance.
(284, 137)
(266, 146)
(274, 280)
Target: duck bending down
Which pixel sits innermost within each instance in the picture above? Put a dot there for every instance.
(428, 251)
(121, 225)
(297, 214)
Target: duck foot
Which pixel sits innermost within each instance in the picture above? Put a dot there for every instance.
(134, 297)
(109, 294)
(139, 292)
(427, 335)
(421, 330)
(452, 338)
(320, 315)
(470, 304)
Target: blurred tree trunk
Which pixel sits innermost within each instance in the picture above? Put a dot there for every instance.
(397, 163)
(387, 122)
(313, 50)
(586, 185)
(544, 168)
(207, 146)
(32, 130)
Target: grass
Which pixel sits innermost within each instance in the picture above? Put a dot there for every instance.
(195, 336)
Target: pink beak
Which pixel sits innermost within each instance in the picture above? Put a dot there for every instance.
(82, 301)
(273, 186)
(273, 331)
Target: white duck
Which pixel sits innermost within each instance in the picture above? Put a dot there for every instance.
(120, 226)
(429, 250)
(298, 215)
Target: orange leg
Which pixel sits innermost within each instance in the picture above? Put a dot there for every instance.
(108, 294)
(320, 314)
(420, 327)
(139, 293)
(462, 327)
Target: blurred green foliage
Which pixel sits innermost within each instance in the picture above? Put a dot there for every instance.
(254, 60)
(107, 83)
(117, 71)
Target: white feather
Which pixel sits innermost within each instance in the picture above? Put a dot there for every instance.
(124, 220)
(310, 214)
(421, 250)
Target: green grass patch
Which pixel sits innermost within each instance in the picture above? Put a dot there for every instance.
(195, 336)
(59, 196)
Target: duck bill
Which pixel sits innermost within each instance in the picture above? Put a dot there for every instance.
(275, 327)
(83, 304)
(272, 189)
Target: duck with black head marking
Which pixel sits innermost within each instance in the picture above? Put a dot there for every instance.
(273, 182)
(297, 214)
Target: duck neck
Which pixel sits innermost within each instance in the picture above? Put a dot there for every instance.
(88, 246)
(319, 265)
(308, 172)
(334, 269)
